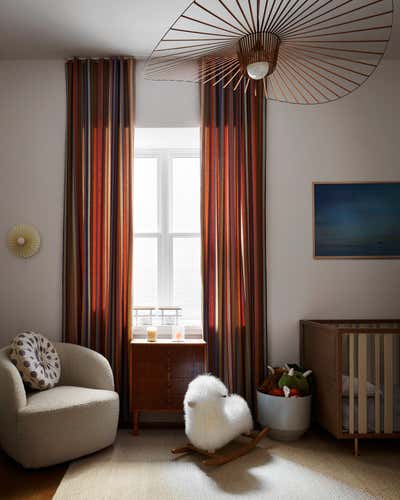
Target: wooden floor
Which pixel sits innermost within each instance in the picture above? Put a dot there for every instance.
(17, 483)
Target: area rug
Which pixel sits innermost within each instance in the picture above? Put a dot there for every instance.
(314, 468)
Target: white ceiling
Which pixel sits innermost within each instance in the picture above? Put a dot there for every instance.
(52, 29)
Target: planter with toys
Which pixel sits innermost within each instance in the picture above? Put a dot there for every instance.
(284, 402)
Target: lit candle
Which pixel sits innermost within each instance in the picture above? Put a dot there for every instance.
(151, 334)
(178, 334)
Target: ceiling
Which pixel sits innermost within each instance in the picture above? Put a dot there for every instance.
(53, 29)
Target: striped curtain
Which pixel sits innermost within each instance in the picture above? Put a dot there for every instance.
(98, 210)
(234, 234)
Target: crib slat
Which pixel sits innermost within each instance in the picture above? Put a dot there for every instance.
(388, 383)
(362, 383)
(351, 384)
(377, 384)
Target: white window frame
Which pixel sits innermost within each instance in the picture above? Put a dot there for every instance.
(164, 235)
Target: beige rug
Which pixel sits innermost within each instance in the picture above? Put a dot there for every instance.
(316, 467)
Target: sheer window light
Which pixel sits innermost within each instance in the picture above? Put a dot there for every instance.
(166, 254)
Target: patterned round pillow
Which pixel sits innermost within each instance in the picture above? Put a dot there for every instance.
(36, 359)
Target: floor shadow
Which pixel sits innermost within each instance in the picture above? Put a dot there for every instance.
(234, 477)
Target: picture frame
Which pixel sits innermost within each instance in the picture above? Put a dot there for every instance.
(356, 220)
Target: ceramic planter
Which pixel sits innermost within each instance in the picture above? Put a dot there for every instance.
(287, 418)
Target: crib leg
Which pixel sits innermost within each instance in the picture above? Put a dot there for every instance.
(356, 454)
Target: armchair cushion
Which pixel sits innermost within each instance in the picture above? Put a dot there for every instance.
(63, 397)
(36, 360)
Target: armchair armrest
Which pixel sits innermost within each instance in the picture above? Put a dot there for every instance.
(83, 367)
(12, 400)
(12, 390)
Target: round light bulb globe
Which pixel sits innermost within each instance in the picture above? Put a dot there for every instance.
(21, 241)
(258, 70)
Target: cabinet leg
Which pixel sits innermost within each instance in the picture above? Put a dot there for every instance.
(135, 422)
(356, 453)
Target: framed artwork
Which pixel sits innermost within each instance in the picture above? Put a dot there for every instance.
(359, 220)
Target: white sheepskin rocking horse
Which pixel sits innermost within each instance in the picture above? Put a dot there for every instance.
(213, 418)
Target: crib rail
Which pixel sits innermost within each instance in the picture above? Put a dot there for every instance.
(373, 366)
(368, 353)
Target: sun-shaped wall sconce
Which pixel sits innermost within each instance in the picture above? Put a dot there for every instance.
(23, 240)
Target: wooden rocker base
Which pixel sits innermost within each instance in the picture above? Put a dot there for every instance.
(218, 459)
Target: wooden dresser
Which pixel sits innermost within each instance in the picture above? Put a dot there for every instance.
(160, 373)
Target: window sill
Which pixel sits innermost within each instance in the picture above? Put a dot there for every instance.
(192, 331)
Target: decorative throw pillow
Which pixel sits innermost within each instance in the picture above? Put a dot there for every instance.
(36, 359)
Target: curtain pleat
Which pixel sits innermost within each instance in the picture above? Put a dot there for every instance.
(233, 126)
(98, 210)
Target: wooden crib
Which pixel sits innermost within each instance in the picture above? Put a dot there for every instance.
(356, 364)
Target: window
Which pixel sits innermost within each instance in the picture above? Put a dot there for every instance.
(166, 255)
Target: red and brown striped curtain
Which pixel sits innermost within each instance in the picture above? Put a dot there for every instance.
(98, 210)
(234, 234)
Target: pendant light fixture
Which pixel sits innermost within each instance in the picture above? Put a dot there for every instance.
(296, 51)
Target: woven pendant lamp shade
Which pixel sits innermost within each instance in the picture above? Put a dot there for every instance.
(258, 48)
(296, 51)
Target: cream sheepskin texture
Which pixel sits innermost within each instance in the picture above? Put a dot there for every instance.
(213, 417)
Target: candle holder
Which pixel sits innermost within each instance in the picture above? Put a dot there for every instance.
(178, 333)
(151, 334)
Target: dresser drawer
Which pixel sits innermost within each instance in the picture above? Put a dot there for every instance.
(185, 362)
(150, 362)
(161, 372)
(176, 392)
(151, 394)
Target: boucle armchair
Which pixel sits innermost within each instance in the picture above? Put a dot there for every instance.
(77, 417)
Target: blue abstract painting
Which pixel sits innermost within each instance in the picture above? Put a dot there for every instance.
(360, 220)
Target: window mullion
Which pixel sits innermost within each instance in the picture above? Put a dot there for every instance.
(169, 261)
(164, 198)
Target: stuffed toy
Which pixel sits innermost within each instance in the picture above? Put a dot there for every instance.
(270, 384)
(213, 418)
(288, 381)
(310, 378)
(295, 380)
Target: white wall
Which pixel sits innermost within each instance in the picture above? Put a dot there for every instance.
(32, 137)
(165, 104)
(354, 139)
